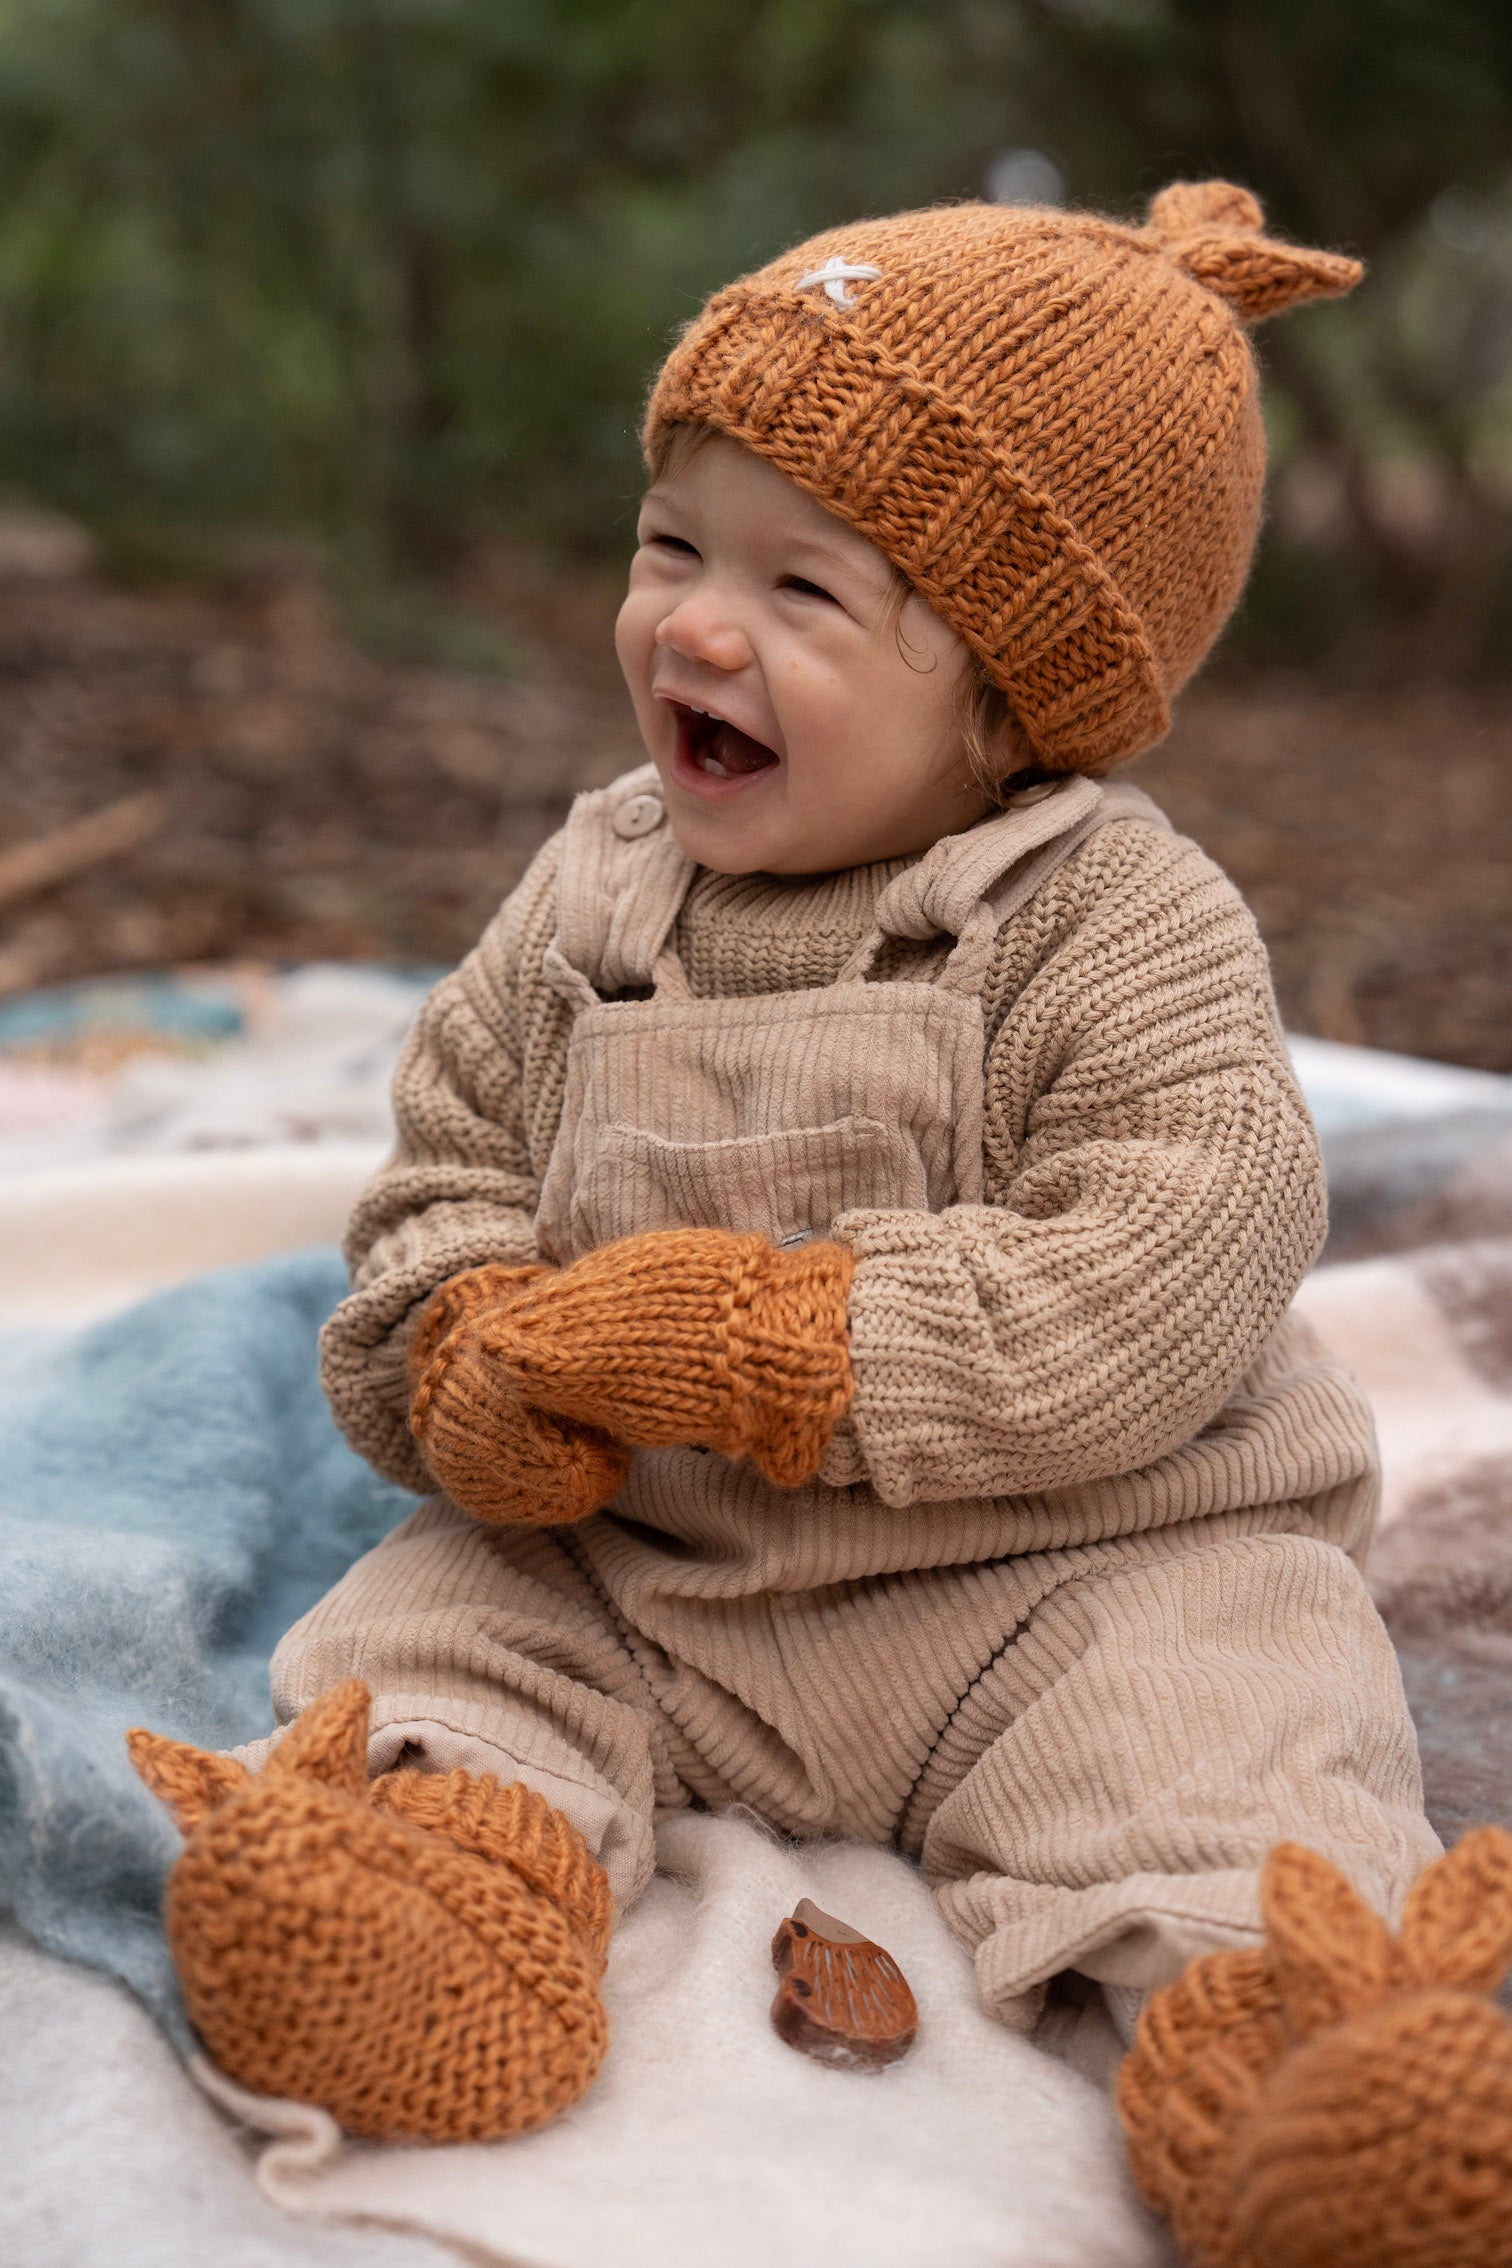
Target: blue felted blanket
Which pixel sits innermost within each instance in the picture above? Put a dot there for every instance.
(173, 1496)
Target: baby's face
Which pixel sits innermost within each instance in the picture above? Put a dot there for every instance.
(798, 721)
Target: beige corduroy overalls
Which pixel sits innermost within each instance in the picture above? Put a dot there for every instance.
(1057, 1722)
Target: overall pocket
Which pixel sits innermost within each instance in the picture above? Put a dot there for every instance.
(787, 1185)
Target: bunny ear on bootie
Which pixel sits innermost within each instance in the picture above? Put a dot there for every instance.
(1383, 2137)
(193, 1782)
(1457, 1925)
(1332, 1956)
(328, 1743)
(1212, 231)
(1330, 1953)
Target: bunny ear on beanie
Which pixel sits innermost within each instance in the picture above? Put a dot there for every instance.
(1212, 230)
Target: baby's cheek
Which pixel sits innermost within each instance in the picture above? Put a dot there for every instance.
(634, 638)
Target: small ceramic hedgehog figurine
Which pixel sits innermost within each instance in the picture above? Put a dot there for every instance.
(1337, 2097)
(314, 1912)
(841, 1998)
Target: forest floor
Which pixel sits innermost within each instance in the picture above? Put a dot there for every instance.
(194, 773)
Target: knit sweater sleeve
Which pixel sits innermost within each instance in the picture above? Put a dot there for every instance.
(458, 1188)
(1156, 1196)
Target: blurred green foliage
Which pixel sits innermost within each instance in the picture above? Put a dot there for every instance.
(397, 271)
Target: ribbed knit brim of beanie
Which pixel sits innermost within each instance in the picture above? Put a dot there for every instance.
(1047, 421)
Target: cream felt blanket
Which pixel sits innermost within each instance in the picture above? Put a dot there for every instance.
(112, 2158)
(704, 2139)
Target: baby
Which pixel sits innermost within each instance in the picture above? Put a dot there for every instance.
(832, 1279)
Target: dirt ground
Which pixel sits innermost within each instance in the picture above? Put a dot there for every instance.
(255, 783)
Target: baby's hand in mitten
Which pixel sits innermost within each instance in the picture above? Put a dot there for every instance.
(700, 1336)
(493, 1454)
(475, 1292)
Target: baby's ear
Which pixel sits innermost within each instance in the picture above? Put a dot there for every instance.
(328, 1742)
(1457, 1924)
(193, 1782)
(1329, 1953)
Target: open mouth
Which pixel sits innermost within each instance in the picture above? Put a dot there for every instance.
(714, 746)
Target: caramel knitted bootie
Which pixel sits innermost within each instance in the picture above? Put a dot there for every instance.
(419, 1955)
(1337, 2097)
(695, 1335)
(494, 1454)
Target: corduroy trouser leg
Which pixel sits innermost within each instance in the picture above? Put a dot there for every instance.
(1101, 1798)
(486, 1648)
(1148, 1735)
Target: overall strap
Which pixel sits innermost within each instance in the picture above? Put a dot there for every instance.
(967, 886)
(621, 882)
(623, 879)
(1117, 799)
(945, 891)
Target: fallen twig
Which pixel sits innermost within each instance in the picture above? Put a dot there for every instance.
(29, 867)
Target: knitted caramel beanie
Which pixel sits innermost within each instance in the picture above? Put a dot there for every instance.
(1047, 421)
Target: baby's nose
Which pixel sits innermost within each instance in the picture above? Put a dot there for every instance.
(704, 633)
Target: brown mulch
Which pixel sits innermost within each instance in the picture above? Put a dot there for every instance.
(305, 797)
(1371, 831)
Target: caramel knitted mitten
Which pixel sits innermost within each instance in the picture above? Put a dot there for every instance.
(474, 1292)
(493, 1454)
(1337, 2097)
(700, 1336)
(420, 1955)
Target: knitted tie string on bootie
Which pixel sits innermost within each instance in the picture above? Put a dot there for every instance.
(1337, 2097)
(420, 1955)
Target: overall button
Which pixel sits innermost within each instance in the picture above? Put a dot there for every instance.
(638, 816)
(1035, 794)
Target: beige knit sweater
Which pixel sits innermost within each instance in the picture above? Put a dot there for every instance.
(1154, 1183)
